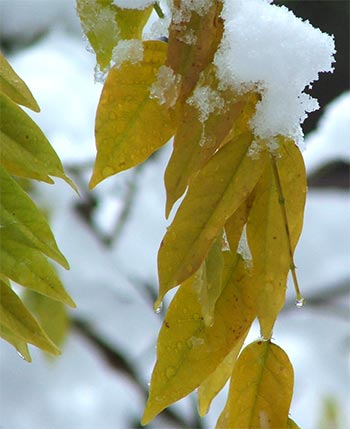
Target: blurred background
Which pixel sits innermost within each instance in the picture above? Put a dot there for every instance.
(111, 236)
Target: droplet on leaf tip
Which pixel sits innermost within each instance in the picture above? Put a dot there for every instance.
(158, 305)
(21, 356)
(300, 302)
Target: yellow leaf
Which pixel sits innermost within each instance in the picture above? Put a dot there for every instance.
(208, 281)
(130, 126)
(21, 220)
(16, 318)
(30, 268)
(291, 424)
(20, 345)
(196, 141)
(188, 351)
(212, 385)
(24, 149)
(14, 87)
(193, 41)
(105, 24)
(214, 194)
(269, 242)
(261, 389)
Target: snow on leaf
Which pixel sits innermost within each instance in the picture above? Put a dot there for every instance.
(104, 24)
(130, 126)
(18, 320)
(195, 142)
(188, 351)
(271, 241)
(14, 87)
(261, 389)
(193, 40)
(214, 194)
(21, 220)
(24, 150)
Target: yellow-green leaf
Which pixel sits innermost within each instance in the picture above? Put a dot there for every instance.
(130, 125)
(269, 242)
(212, 385)
(18, 320)
(214, 194)
(291, 424)
(193, 41)
(52, 315)
(30, 268)
(208, 281)
(188, 351)
(261, 389)
(20, 345)
(14, 87)
(21, 220)
(104, 24)
(196, 140)
(24, 149)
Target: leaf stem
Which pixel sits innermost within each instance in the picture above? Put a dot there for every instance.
(299, 296)
(158, 10)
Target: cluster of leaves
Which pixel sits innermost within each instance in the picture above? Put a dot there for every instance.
(230, 245)
(26, 241)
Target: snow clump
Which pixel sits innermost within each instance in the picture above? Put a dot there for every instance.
(268, 49)
(127, 50)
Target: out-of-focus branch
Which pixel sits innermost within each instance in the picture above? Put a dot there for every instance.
(118, 363)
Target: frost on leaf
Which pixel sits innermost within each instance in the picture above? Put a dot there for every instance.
(166, 88)
(127, 50)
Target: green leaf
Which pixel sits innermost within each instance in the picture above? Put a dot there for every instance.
(270, 244)
(21, 220)
(214, 194)
(52, 315)
(16, 318)
(188, 351)
(28, 267)
(14, 87)
(24, 149)
(104, 24)
(212, 385)
(130, 126)
(20, 345)
(208, 281)
(261, 389)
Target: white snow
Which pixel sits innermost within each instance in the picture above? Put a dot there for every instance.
(166, 88)
(206, 100)
(331, 140)
(133, 4)
(127, 50)
(266, 48)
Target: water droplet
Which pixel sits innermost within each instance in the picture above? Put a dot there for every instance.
(300, 302)
(170, 372)
(20, 355)
(158, 305)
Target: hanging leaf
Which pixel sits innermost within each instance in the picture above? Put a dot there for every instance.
(20, 345)
(30, 268)
(130, 126)
(17, 319)
(269, 242)
(24, 149)
(104, 24)
(52, 315)
(214, 194)
(14, 87)
(208, 281)
(23, 222)
(194, 36)
(188, 351)
(261, 389)
(212, 385)
(207, 118)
